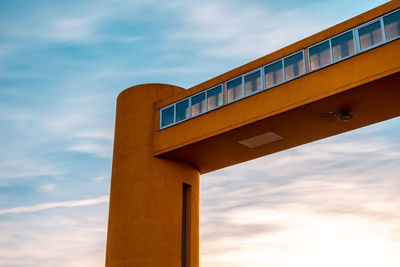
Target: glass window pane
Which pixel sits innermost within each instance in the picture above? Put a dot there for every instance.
(273, 74)
(198, 104)
(167, 116)
(320, 55)
(252, 82)
(214, 97)
(343, 46)
(234, 89)
(294, 66)
(182, 110)
(392, 25)
(370, 35)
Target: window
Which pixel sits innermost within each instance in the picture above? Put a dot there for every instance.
(214, 97)
(234, 89)
(167, 116)
(320, 55)
(198, 104)
(273, 74)
(392, 25)
(370, 35)
(252, 82)
(294, 65)
(182, 110)
(343, 46)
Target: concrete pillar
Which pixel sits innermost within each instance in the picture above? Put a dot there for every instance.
(145, 227)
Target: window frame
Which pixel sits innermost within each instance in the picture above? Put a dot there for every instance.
(167, 107)
(226, 90)
(330, 53)
(383, 22)
(205, 100)
(357, 31)
(304, 63)
(356, 51)
(222, 96)
(189, 107)
(244, 80)
(283, 74)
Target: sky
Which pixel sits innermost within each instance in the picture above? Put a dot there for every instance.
(333, 202)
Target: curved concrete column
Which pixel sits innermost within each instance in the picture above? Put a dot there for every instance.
(147, 203)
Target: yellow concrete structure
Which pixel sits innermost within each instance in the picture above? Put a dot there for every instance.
(145, 221)
(154, 200)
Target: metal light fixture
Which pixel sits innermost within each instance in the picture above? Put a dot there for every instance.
(345, 115)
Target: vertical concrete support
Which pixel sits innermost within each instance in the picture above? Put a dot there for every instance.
(145, 227)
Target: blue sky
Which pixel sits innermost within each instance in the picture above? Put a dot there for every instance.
(62, 65)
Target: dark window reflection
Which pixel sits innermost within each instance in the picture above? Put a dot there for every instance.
(273, 74)
(234, 89)
(198, 104)
(392, 25)
(214, 97)
(294, 66)
(343, 46)
(252, 82)
(320, 55)
(182, 110)
(167, 116)
(370, 35)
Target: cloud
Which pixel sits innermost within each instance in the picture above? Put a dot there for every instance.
(17, 164)
(249, 31)
(124, 39)
(84, 123)
(47, 188)
(67, 29)
(233, 30)
(310, 239)
(34, 137)
(64, 204)
(72, 23)
(50, 25)
(55, 237)
(92, 148)
(324, 198)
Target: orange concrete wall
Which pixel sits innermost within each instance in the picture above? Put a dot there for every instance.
(145, 217)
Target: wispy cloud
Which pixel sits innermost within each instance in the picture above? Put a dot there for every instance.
(229, 29)
(304, 202)
(54, 237)
(53, 27)
(64, 204)
(247, 32)
(92, 148)
(75, 23)
(47, 188)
